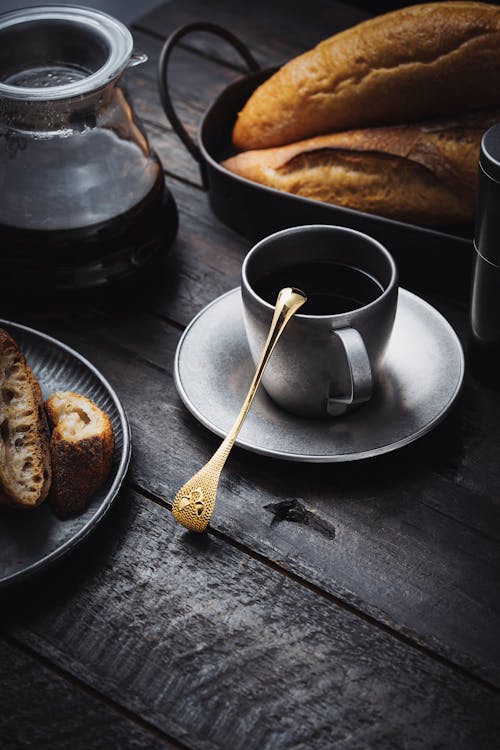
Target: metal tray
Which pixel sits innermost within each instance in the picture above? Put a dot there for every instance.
(428, 260)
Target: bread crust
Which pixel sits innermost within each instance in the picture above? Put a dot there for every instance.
(418, 62)
(424, 173)
(81, 449)
(25, 470)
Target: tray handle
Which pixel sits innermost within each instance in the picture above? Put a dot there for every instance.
(163, 82)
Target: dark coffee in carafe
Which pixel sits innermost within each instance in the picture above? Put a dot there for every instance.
(84, 202)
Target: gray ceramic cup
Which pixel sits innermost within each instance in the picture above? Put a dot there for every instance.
(323, 365)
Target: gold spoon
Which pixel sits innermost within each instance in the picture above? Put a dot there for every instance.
(194, 503)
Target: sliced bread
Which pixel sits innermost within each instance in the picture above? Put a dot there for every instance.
(25, 471)
(81, 448)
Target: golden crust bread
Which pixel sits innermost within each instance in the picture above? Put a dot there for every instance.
(418, 62)
(25, 471)
(424, 173)
(81, 448)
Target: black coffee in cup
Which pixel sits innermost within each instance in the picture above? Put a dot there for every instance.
(331, 287)
(331, 354)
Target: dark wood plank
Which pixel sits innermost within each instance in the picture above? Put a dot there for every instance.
(275, 31)
(40, 709)
(416, 533)
(195, 82)
(216, 649)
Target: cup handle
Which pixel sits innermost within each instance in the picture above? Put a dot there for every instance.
(360, 373)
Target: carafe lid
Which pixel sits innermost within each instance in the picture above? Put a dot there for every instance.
(60, 52)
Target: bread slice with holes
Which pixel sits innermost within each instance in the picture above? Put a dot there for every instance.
(25, 471)
(81, 448)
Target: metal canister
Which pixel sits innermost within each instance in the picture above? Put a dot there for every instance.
(484, 349)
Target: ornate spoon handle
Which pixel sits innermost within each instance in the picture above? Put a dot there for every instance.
(194, 503)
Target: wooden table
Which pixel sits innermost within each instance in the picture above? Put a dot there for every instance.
(367, 616)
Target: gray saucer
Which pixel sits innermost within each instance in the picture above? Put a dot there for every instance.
(424, 372)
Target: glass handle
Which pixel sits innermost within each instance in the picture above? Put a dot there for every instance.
(137, 58)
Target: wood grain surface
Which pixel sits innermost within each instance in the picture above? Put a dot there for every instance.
(347, 606)
(416, 532)
(214, 648)
(48, 711)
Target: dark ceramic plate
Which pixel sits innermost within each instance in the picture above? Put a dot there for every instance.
(30, 540)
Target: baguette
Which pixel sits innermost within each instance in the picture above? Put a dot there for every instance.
(424, 173)
(25, 471)
(81, 448)
(411, 64)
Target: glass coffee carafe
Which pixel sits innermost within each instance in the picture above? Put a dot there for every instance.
(82, 196)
